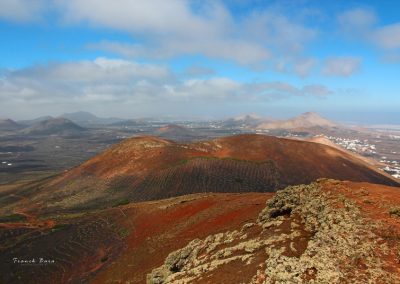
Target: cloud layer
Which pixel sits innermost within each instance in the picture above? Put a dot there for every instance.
(115, 81)
(364, 24)
(341, 66)
(165, 29)
(22, 10)
(176, 54)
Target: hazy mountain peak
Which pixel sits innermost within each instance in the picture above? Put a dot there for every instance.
(79, 115)
(58, 125)
(315, 119)
(7, 121)
(304, 120)
(9, 124)
(310, 114)
(248, 116)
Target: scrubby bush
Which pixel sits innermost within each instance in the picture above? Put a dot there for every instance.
(395, 211)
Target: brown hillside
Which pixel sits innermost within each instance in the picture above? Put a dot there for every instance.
(303, 121)
(138, 236)
(299, 160)
(148, 168)
(329, 231)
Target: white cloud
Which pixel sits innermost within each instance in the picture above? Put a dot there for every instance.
(98, 70)
(316, 90)
(243, 52)
(76, 80)
(303, 67)
(179, 27)
(277, 31)
(165, 29)
(160, 17)
(363, 24)
(21, 10)
(195, 71)
(111, 82)
(280, 89)
(357, 21)
(341, 66)
(124, 49)
(387, 37)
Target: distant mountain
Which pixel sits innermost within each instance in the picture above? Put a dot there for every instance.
(128, 122)
(60, 126)
(176, 132)
(9, 125)
(305, 120)
(246, 121)
(80, 117)
(33, 121)
(86, 118)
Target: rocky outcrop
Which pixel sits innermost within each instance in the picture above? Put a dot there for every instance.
(304, 235)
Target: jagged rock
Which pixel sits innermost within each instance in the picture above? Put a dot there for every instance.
(338, 244)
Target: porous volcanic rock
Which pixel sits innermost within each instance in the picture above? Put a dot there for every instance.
(304, 235)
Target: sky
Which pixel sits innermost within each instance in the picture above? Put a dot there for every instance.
(201, 59)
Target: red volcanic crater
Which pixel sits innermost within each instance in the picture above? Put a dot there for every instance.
(149, 168)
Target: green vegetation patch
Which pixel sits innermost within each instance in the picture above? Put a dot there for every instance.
(123, 232)
(185, 161)
(12, 218)
(121, 202)
(395, 211)
(59, 227)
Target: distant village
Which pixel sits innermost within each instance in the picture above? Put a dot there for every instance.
(355, 145)
(365, 148)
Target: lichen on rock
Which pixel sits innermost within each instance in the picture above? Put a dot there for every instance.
(304, 235)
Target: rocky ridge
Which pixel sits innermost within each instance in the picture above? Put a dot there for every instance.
(305, 234)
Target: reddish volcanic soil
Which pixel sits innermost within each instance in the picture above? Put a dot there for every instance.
(143, 154)
(84, 222)
(150, 168)
(376, 202)
(161, 227)
(125, 243)
(330, 231)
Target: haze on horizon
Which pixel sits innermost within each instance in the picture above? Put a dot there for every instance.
(208, 59)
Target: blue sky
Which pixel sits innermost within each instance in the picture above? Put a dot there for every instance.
(208, 59)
